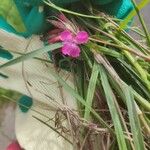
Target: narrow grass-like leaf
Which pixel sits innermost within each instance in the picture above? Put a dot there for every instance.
(137, 31)
(49, 3)
(140, 6)
(91, 89)
(142, 101)
(142, 22)
(136, 78)
(37, 58)
(32, 54)
(114, 113)
(134, 121)
(80, 79)
(104, 50)
(80, 99)
(139, 69)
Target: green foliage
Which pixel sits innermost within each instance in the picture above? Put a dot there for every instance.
(111, 100)
(134, 120)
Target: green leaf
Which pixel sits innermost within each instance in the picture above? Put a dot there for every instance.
(138, 83)
(91, 89)
(110, 97)
(104, 50)
(32, 54)
(134, 120)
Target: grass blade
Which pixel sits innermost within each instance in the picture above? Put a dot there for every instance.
(80, 99)
(91, 89)
(50, 4)
(140, 6)
(114, 113)
(32, 54)
(142, 22)
(134, 121)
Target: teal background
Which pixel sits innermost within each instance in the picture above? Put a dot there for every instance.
(35, 21)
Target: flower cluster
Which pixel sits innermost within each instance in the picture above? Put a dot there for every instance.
(71, 42)
(70, 36)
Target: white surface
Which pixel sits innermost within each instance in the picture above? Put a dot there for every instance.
(34, 79)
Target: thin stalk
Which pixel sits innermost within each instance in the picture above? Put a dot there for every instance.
(49, 3)
(32, 54)
(91, 90)
(134, 62)
(137, 31)
(128, 37)
(145, 104)
(80, 99)
(142, 22)
(121, 83)
(135, 52)
(120, 86)
(140, 6)
(140, 70)
(145, 124)
(37, 58)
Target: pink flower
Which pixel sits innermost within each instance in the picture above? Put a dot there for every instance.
(66, 36)
(14, 146)
(69, 34)
(82, 37)
(71, 49)
(71, 42)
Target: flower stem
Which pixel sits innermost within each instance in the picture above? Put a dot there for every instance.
(142, 22)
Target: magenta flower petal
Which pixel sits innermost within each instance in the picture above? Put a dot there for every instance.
(14, 146)
(71, 49)
(82, 37)
(66, 36)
